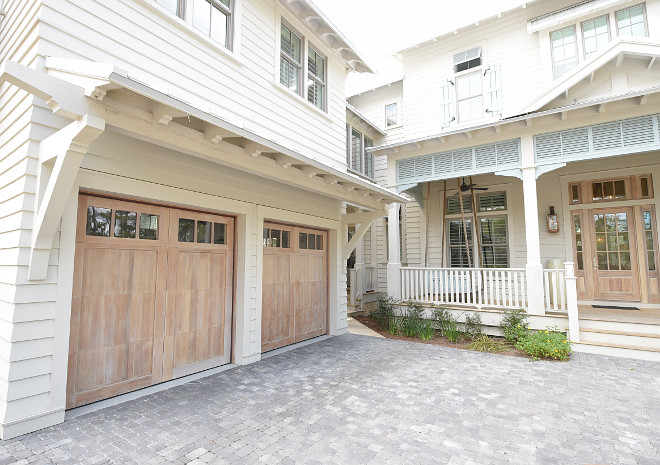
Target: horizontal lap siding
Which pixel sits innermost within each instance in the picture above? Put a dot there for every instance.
(26, 307)
(131, 35)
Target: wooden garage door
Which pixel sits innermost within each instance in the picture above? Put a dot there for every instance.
(149, 303)
(295, 285)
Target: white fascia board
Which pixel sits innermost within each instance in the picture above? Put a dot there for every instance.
(557, 18)
(307, 11)
(373, 126)
(524, 116)
(637, 47)
(110, 75)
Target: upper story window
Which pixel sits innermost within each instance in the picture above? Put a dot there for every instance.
(391, 115)
(595, 34)
(631, 21)
(469, 97)
(210, 17)
(292, 71)
(467, 60)
(564, 51)
(357, 156)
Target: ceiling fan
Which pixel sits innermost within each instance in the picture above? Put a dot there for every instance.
(467, 187)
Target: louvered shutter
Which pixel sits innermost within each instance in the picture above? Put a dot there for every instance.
(493, 90)
(447, 103)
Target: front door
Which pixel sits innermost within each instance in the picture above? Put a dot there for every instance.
(613, 254)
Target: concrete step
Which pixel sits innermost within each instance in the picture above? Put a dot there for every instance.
(618, 350)
(621, 338)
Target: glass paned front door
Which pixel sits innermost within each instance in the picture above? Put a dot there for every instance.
(612, 241)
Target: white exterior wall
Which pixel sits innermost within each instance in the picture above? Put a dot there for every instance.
(157, 48)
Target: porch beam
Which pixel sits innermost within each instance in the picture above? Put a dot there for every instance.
(67, 147)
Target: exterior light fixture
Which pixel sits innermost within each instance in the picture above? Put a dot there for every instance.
(553, 222)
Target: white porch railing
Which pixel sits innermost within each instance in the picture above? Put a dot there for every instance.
(369, 278)
(475, 287)
(554, 289)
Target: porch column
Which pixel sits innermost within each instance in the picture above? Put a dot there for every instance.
(533, 268)
(359, 266)
(394, 252)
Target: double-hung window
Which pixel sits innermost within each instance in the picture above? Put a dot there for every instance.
(391, 115)
(357, 155)
(294, 52)
(212, 18)
(595, 35)
(631, 21)
(469, 96)
(492, 230)
(564, 51)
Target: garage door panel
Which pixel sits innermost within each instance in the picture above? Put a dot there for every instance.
(139, 301)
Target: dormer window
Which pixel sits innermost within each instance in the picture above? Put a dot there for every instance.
(467, 60)
(596, 35)
(631, 22)
(564, 51)
(211, 18)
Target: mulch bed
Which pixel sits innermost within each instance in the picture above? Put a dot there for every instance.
(438, 340)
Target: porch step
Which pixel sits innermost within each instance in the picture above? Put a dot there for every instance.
(649, 341)
(650, 328)
(618, 350)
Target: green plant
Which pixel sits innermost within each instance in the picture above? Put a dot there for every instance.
(452, 331)
(393, 325)
(484, 343)
(441, 316)
(426, 329)
(410, 322)
(473, 326)
(549, 344)
(384, 311)
(514, 324)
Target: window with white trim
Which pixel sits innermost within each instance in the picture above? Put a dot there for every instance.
(391, 115)
(294, 51)
(631, 21)
(493, 251)
(212, 18)
(357, 156)
(564, 51)
(469, 97)
(595, 35)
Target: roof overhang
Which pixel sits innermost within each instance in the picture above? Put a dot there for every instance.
(352, 110)
(76, 88)
(561, 16)
(310, 14)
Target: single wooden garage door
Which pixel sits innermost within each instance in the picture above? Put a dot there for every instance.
(295, 285)
(152, 296)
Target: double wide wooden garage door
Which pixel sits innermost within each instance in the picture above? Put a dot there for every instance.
(295, 285)
(152, 296)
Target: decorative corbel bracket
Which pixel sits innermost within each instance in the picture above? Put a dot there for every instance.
(365, 220)
(60, 157)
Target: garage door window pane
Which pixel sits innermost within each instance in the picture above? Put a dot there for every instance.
(319, 242)
(219, 233)
(125, 224)
(303, 241)
(311, 241)
(275, 236)
(148, 226)
(285, 240)
(186, 230)
(204, 232)
(98, 221)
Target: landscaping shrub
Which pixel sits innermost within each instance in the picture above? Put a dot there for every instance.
(452, 331)
(412, 320)
(440, 315)
(483, 343)
(384, 311)
(514, 324)
(473, 326)
(426, 329)
(549, 344)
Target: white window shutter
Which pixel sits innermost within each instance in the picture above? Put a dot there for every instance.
(447, 103)
(493, 90)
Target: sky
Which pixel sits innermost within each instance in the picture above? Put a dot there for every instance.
(378, 28)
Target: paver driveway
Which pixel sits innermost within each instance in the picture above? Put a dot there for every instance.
(357, 400)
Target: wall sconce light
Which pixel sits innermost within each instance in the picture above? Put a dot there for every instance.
(553, 222)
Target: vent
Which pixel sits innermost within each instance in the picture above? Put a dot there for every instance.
(606, 136)
(508, 153)
(406, 169)
(638, 131)
(548, 146)
(442, 163)
(467, 55)
(575, 141)
(484, 155)
(463, 160)
(424, 166)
